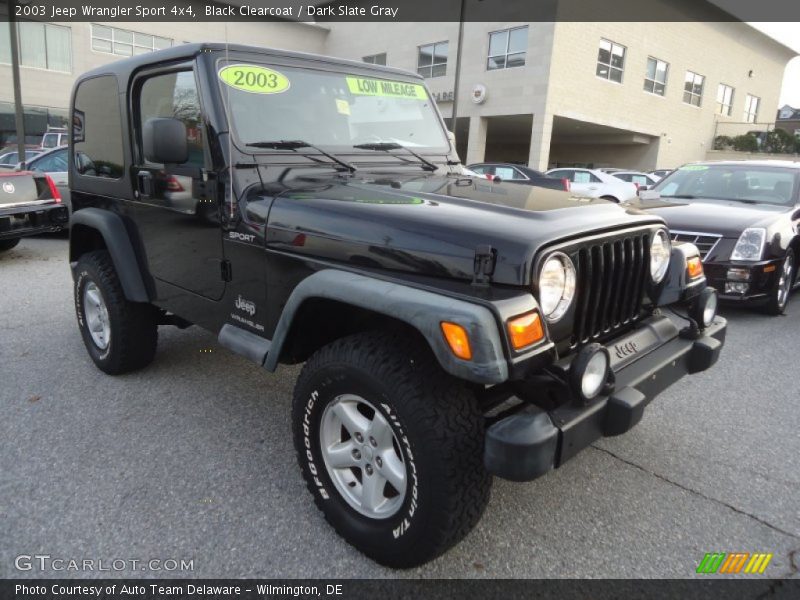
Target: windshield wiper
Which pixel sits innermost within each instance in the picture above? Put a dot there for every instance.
(386, 146)
(296, 145)
(681, 196)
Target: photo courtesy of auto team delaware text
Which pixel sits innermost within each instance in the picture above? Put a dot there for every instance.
(356, 292)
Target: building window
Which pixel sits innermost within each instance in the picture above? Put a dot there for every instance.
(610, 61)
(41, 45)
(693, 88)
(376, 59)
(124, 42)
(432, 60)
(507, 48)
(655, 80)
(751, 108)
(724, 100)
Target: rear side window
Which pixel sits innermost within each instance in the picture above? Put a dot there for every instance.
(97, 129)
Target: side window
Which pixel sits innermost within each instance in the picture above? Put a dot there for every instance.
(584, 177)
(518, 175)
(640, 179)
(504, 172)
(97, 128)
(175, 95)
(55, 162)
(480, 170)
(564, 174)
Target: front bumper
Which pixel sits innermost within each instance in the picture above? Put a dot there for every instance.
(532, 441)
(756, 282)
(22, 221)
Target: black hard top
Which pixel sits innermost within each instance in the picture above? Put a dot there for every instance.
(125, 67)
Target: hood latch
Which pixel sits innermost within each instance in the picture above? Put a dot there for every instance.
(483, 265)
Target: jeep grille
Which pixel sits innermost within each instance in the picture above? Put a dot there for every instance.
(611, 277)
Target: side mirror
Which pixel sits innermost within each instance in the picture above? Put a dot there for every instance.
(164, 141)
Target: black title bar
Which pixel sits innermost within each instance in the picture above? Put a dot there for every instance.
(404, 10)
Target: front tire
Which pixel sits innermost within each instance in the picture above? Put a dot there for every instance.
(8, 244)
(390, 447)
(121, 336)
(784, 281)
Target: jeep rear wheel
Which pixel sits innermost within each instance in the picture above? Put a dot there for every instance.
(391, 447)
(8, 244)
(121, 336)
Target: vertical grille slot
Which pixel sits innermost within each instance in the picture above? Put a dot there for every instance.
(611, 279)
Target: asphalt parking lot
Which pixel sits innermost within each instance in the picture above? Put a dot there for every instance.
(192, 458)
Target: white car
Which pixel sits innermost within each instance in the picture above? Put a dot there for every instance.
(644, 180)
(596, 184)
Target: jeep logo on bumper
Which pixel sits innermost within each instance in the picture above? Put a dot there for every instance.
(625, 350)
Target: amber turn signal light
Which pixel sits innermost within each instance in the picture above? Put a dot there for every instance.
(694, 266)
(525, 330)
(458, 339)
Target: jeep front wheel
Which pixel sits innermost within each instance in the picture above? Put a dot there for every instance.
(391, 447)
(8, 244)
(121, 336)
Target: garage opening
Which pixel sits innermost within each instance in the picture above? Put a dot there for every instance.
(577, 143)
(508, 138)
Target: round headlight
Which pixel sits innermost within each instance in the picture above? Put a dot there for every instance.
(660, 251)
(556, 285)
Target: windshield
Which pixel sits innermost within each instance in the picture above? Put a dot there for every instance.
(744, 183)
(334, 110)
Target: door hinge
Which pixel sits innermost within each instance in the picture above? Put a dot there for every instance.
(483, 265)
(226, 272)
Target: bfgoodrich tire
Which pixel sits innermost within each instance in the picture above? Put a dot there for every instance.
(121, 336)
(391, 447)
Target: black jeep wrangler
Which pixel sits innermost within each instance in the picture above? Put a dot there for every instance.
(308, 209)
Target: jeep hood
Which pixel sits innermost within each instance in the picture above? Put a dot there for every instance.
(432, 224)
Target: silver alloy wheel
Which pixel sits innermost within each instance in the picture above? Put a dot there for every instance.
(363, 457)
(94, 308)
(785, 282)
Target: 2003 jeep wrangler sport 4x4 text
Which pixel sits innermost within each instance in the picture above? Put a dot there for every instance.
(308, 209)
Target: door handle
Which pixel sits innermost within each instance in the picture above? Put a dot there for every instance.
(144, 183)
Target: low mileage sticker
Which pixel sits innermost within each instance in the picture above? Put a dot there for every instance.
(254, 79)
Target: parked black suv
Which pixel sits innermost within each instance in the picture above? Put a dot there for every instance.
(307, 209)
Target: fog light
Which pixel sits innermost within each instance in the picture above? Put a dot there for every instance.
(736, 288)
(589, 371)
(739, 274)
(704, 308)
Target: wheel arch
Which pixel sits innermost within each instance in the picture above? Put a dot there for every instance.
(95, 229)
(359, 303)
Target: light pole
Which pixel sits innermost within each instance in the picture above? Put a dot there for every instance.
(19, 118)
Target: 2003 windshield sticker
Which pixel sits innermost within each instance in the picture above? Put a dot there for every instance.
(379, 87)
(254, 79)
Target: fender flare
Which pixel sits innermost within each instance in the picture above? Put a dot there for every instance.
(117, 240)
(421, 309)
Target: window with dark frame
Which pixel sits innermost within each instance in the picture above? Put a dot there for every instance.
(375, 59)
(610, 61)
(693, 88)
(655, 79)
(507, 48)
(432, 59)
(724, 100)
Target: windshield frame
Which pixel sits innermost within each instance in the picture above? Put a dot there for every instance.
(794, 199)
(332, 67)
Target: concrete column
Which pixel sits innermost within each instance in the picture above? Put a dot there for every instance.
(541, 134)
(476, 140)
